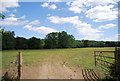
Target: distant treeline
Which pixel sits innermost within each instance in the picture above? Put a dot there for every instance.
(51, 41)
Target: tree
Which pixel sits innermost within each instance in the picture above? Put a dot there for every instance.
(34, 43)
(2, 16)
(51, 40)
(59, 40)
(21, 43)
(8, 41)
(42, 43)
(65, 40)
(86, 43)
(1, 30)
(79, 44)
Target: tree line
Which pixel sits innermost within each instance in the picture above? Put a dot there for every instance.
(52, 40)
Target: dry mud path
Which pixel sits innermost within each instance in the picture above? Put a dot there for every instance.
(51, 68)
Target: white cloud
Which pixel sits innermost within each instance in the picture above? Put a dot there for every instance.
(68, 3)
(4, 4)
(76, 6)
(14, 10)
(45, 5)
(113, 38)
(48, 14)
(35, 22)
(41, 29)
(21, 22)
(80, 4)
(102, 13)
(75, 9)
(88, 32)
(107, 26)
(11, 15)
(97, 10)
(53, 6)
(83, 29)
(23, 17)
(99, 2)
(62, 20)
(10, 21)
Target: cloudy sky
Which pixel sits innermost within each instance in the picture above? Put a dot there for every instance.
(85, 19)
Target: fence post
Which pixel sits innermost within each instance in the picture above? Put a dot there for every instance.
(20, 65)
(117, 60)
(95, 57)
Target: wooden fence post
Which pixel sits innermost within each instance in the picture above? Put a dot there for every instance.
(117, 60)
(20, 65)
(95, 57)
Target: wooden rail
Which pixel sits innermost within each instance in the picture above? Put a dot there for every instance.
(100, 59)
(106, 56)
(102, 67)
(102, 64)
(105, 51)
(104, 61)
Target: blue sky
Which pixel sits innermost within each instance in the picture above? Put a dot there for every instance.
(85, 19)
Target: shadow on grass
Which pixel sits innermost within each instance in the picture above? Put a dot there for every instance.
(113, 75)
(7, 78)
(90, 75)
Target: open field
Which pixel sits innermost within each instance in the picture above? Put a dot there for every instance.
(75, 58)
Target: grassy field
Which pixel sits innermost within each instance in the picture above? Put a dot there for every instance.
(77, 57)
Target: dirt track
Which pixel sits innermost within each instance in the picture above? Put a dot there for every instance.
(51, 68)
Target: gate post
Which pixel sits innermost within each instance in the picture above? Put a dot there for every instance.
(20, 65)
(117, 60)
(95, 57)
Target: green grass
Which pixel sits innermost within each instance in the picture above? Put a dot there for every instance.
(76, 57)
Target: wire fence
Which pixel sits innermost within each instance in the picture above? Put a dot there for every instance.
(14, 71)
